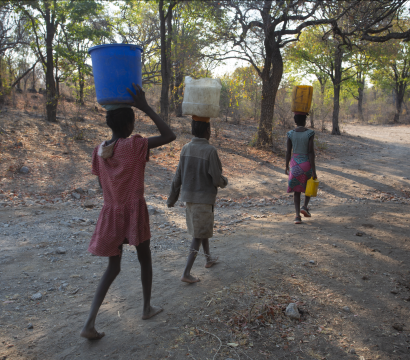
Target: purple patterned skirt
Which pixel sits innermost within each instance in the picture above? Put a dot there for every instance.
(300, 173)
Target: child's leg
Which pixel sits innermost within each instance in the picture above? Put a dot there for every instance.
(296, 199)
(209, 259)
(144, 257)
(113, 269)
(193, 252)
(307, 199)
(304, 209)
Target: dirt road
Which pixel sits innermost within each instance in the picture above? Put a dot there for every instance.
(347, 267)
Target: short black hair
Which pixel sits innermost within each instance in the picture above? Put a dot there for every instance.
(300, 119)
(199, 128)
(118, 119)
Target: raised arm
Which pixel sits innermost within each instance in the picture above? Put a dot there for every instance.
(167, 135)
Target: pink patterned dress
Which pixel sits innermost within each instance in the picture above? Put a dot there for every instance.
(124, 216)
(300, 167)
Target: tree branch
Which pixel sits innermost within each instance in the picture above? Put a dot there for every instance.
(25, 73)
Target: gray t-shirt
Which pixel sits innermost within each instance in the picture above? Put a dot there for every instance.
(198, 175)
(300, 140)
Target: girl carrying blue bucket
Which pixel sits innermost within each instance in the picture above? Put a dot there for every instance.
(119, 164)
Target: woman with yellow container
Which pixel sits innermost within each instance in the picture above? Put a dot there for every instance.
(300, 166)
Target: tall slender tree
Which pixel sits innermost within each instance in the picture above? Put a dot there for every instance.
(165, 18)
(45, 17)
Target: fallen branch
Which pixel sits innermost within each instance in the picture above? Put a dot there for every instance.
(220, 342)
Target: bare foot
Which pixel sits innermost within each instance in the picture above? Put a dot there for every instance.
(91, 334)
(153, 310)
(211, 262)
(189, 279)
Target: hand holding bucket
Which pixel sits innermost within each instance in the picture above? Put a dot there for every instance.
(139, 98)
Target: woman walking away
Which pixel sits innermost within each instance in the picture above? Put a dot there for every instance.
(119, 164)
(302, 163)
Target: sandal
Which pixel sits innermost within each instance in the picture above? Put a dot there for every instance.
(304, 210)
(298, 220)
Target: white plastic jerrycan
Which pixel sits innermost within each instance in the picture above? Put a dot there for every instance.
(201, 97)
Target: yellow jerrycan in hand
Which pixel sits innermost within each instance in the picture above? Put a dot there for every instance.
(301, 98)
(311, 187)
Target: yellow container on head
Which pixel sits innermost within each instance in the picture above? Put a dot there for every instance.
(302, 98)
(311, 187)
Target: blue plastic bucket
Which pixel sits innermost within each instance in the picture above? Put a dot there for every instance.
(115, 68)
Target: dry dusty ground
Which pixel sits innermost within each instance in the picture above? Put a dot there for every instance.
(347, 267)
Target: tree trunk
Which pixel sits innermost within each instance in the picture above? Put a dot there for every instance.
(399, 96)
(169, 57)
(255, 111)
(360, 98)
(165, 62)
(81, 86)
(11, 72)
(1, 82)
(179, 71)
(322, 101)
(271, 77)
(51, 95)
(312, 118)
(336, 89)
(34, 78)
(178, 92)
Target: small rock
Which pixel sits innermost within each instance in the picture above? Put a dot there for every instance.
(63, 287)
(60, 250)
(394, 291)
(264, 182)
(292, 311)
(19, 143)
(346, 309)
(359, 233)
(91, 192)
(30, 326)
(37, 296)
(51, 289)
(398, 327)
(152, 210)
(24, 170)
(79, 190)
(352, 351)
(365, 277)
(76, 195)
(89, 203)
(312, 262)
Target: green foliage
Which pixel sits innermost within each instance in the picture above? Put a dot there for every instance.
(75, 38)
(392, 65)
